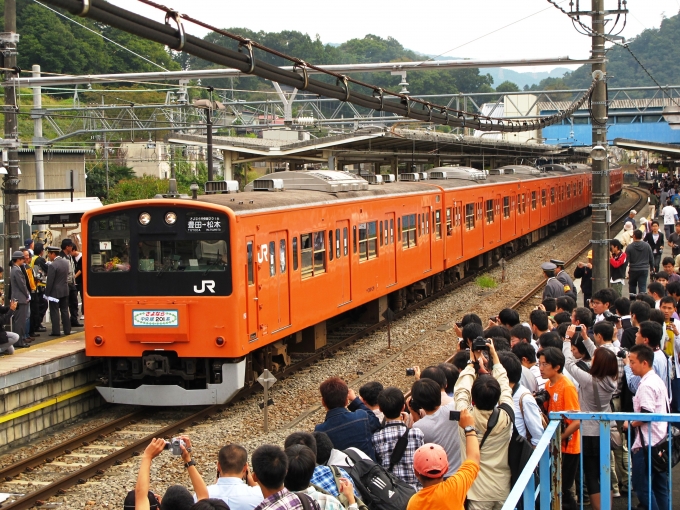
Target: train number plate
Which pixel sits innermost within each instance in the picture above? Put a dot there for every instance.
(155, 318)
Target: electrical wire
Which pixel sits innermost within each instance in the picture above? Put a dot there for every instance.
(101, 35)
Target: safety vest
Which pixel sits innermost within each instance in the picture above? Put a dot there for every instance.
(37, 272)
(31, 280)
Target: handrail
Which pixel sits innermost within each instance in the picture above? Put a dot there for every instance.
(525, 488)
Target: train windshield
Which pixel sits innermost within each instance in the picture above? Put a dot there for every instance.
(190, 255)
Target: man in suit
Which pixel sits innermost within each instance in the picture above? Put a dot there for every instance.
(57, 291)
(67, 248)
(22, 296)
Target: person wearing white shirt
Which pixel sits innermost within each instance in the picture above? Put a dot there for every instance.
(527, 356)
(235, 485)
(528, 418)
(670, 216)
(671, 346)
(650, 333)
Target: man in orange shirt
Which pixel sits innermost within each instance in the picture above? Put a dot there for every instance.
(563, 397)
(430, 465)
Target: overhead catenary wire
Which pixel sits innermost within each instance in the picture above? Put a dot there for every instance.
(175, 37)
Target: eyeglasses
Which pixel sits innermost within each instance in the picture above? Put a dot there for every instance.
(544, 364)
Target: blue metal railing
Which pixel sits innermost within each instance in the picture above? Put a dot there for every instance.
(544, 466)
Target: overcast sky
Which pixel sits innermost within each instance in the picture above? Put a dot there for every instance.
(427, 26)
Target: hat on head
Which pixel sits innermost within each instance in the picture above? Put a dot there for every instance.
(548, 266)
(17, 255)
(430, 461)
(53, 249)
(627, 226)
(643, 220)
(557, 262)
(28, 242)
(590, 254)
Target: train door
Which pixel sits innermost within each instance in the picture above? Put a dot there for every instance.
(427, 244)
(387, 251)
(273, 282)
(252, 306)
(343, 262)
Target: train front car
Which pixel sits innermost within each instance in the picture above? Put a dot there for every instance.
(159, 299)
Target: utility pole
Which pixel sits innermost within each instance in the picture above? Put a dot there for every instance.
(601, 215)
(9, 40)
(209, 139)
(38, 137)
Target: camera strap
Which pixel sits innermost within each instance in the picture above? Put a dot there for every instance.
(493, 420)
(399, 450)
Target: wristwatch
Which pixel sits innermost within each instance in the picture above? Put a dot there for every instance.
(469, 428)
(192, 462)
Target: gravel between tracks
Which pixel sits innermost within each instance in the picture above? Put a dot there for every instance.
(421, 338)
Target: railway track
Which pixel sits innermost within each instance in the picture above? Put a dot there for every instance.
(340, 338)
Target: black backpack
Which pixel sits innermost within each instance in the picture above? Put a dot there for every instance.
(379, 489)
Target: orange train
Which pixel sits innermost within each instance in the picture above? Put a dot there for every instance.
(188, 300)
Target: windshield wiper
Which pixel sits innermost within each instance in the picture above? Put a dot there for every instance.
(165, 267)
(211, 263)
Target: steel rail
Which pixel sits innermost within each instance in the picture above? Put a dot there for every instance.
(246, 62)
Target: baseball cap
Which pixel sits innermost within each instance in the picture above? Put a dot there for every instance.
(430, 461)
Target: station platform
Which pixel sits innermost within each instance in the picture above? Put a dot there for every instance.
(47, 384)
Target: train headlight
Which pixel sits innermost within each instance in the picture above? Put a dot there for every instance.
(145, 218)
(170, 218)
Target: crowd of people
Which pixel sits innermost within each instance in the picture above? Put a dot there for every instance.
(41, 278)
(450, 443)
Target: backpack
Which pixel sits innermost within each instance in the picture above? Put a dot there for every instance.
(379, 489)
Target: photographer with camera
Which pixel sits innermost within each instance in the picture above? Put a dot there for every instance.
(437, 424)
(493, 425)
(595, 390)
(177, 496)
(600, 303)
(672, 347)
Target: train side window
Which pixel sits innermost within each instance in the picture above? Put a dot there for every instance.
(345, 240)
(282, 256)
(319, 253)
(382, 236)
(524, 203)
(552, 195)
(295, 253)
(449, 226)
(272, 258)
(249, 251)
(391, 231)
(533, 200)
(368, 240)
(470, 216)
(506, 207)
(330, 245)
(354, 239)
(438, 224)
(338, 252)
(426, 219)
(420, 226)
(489, 211)
(544, 200)
(306, 247)
(459, 217)
(398, 228)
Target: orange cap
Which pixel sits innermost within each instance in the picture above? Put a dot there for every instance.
(590, 254)
(430, 461)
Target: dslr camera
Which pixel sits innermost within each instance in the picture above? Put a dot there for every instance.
(480, 344)
(410, 372)
(175, 445)
(611, 317)
(542, 398)
(623, 353)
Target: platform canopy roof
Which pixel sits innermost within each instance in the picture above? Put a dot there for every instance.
(50, 211)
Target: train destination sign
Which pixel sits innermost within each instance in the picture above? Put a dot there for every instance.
(205, 223)
(155, 318)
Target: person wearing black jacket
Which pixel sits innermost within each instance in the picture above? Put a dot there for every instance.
(584, 271)
(640, 260)
(655, 241)
(40, 276)
(7, 338)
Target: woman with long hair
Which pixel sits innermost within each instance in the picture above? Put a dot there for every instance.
(595, 390)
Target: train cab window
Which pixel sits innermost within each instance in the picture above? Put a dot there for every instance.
(506, 207)
(330, 245)
(470, 216)
(544, 197)
(533, 200)
(272, 258)
(489, 211)
(345, 241)
(438, 224)
(382, 234)
(249, 252)
(368, 240)
(338, 250)
(449, 226)
(282, 256)
(109, 246)
(391, 231)
(189, 255)
(295, 253)
(552, 195)
(408, 233)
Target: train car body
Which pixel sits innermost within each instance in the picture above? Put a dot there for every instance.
(188, 300)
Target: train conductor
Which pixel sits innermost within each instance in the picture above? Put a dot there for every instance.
(553, 287)
(564, 279)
